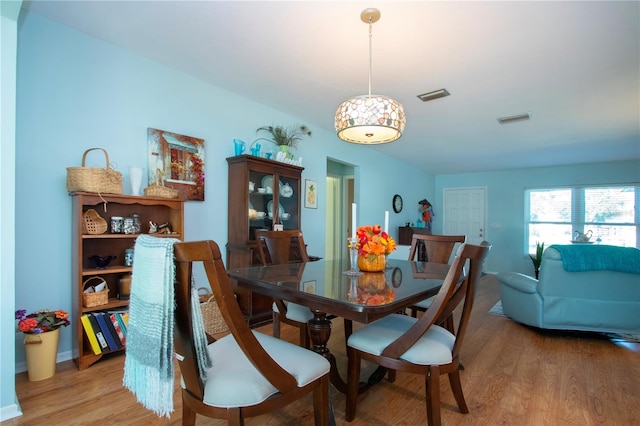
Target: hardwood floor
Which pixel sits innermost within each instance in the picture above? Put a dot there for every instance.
(514, 375)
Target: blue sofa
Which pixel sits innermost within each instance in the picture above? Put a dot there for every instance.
(580, 287)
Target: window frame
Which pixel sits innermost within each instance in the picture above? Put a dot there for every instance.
(578, 210)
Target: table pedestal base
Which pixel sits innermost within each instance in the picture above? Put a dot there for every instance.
(319, 332)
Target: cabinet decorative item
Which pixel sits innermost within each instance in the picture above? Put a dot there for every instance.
(262, 194)
(87, 247)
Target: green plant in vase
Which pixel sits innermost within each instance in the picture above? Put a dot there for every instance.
(285, 137)
(537, 259)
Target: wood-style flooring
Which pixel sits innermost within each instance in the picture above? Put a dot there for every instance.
(514, 375)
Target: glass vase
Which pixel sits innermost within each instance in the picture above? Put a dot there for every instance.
(353, 258)
(135, 175)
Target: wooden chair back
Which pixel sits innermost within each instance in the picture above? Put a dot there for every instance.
(276, 248)
(208, 253)
(466, 292)
(447, 299)
(279, 247)
(438, 247)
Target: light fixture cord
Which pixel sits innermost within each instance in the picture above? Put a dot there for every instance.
(370, 61)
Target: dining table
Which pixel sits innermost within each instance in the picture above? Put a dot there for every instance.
(328, 292)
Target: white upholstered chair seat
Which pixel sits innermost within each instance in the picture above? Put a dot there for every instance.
(433, 348)
(296, 312)
(234, 382)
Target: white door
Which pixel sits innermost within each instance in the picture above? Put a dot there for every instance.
(464, 213)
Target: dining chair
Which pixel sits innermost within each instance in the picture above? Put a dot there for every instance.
(278, 247)
(438, 249)
(420, 346)
(251, 373)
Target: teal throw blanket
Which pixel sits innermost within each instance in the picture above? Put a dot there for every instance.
(592, 257)
(148, 366)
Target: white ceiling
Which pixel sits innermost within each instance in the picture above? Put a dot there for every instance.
(575, 66)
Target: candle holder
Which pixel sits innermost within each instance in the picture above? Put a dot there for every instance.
(353, 258)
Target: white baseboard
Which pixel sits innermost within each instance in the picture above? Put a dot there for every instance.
(10, 411)
(21, 367)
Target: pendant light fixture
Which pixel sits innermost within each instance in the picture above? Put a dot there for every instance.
(370, 119)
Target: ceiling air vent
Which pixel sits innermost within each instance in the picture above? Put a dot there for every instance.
(514, 118)
(426, 97)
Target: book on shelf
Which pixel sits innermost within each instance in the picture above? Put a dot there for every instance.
(123, 326)
(107, 332)
(120, 314)
(125, 319)
(113, 331)
(116, 325)
(102, 341)
(91, 334)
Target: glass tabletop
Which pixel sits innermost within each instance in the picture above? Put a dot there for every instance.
(322, 286)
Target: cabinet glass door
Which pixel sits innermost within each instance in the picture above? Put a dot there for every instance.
(261, 198)
(289, 200)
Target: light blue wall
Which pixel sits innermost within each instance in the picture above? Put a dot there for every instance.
(505, 202)
(9, 11)
(76, 92)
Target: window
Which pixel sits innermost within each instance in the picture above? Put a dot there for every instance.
(552, 215)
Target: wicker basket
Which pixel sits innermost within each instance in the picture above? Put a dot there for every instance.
(213, 320)
(94, 179)
(94, 223)
(157, 189)
(95, 299)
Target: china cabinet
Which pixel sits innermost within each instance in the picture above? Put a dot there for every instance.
(86, 247)
(262, 194)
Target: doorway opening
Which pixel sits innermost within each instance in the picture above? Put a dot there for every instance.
(341, 192)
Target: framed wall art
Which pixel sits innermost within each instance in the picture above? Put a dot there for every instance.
(178, 161)
(308, 286)
(310, 194)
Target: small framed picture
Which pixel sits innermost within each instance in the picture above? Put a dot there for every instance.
(308, 287)
(310, 194)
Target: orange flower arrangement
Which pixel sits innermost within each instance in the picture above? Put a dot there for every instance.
(373, 241)
(373, 290)
(41, 321)
(376, 298)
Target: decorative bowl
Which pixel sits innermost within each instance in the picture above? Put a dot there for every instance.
(101, 261)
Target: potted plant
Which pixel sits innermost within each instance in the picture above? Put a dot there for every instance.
(41, 333)
(537, 259)
(285, 137)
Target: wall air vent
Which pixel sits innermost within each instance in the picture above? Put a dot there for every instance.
(426, 97)
(514, 118)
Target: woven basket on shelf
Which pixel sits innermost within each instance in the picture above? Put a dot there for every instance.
(94, 223)
(213, 320)
(157, 189)
(95, 299)
(94, 179)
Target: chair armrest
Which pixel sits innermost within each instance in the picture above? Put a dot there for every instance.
(517, 281)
